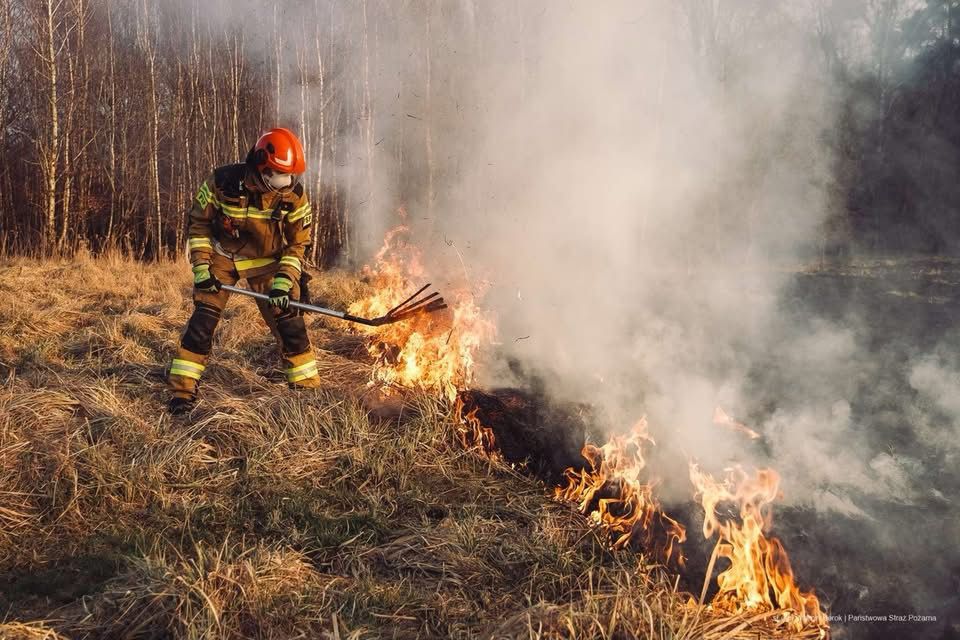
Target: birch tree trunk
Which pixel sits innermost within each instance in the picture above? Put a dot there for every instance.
(112, 135)
(303, 68)
(278, 55)
(149, 48)
(318, 182)
(236, 82)
(66, 200)
(6, 194)
(367, 111)
(50, 154)
(88, 132)
(176, 197)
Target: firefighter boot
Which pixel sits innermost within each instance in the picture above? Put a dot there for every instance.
(301, 366)
(185, 372)
(301, 370)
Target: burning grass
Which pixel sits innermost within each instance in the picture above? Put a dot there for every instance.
(434, 352)
(613, 492)
(269, 513)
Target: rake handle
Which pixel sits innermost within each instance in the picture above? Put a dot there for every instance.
(296, 305)
(333, 313)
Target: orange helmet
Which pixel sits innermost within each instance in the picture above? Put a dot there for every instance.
(280, 150)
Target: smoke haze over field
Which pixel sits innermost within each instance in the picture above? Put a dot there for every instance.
(656, 200)
(632, 188)
(628, 186)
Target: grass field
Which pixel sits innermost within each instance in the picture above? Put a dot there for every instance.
(269, 513)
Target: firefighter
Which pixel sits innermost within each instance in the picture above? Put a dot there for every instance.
(249, 221)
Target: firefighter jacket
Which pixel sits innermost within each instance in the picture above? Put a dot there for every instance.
(255, 229)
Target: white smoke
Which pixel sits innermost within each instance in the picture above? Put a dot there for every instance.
(634, 188)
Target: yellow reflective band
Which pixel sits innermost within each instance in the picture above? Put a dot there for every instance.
(186, 373)
(245, 212)
(186, 368)
(304, 371)
(234, 212)
(177, 362)
(305, 365)
(252, 263)
(310, 373)
(200, 242)
(299, 213)
(291, 261)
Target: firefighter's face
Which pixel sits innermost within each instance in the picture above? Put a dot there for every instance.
(277, 180)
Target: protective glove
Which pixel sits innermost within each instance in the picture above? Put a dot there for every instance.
(205, 281)
(280, 291)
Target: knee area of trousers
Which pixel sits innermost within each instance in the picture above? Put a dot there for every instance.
(199, 334)
(293, 332)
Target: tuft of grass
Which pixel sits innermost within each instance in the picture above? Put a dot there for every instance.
(271, 513)
(28, 631)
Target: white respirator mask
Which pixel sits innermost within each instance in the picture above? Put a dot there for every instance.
(277, 181)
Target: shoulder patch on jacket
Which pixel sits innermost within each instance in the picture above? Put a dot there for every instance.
(203, 195)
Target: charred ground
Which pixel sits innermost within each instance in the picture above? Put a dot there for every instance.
(898, 554)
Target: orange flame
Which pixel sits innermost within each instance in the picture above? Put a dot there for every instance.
(472, 434)
(434, 351)
(721, 419)
(438, 352)
(759, 575)
(616, 498)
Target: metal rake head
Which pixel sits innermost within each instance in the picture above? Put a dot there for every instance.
(414, 305)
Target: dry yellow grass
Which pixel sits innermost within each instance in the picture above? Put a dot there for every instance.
(268, 513)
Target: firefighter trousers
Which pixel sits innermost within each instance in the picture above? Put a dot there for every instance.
(287, 326)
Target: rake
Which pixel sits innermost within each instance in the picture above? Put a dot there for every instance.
(415, 305)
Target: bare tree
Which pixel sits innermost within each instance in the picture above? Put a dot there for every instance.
(6, 44)
(236, 82)
(321, 152)
(428, 112)
(73, 135)
(146, 39)
(47, 20)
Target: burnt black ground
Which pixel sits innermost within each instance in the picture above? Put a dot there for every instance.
(900, 555)
(529, 428)
(903, 556)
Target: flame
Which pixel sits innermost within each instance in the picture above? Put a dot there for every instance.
(616, 498)
(438, 352)
(472, 434)
(721, 419)
(759, 575)
(434, 351)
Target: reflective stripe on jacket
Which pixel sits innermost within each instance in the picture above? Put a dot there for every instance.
(258, 231)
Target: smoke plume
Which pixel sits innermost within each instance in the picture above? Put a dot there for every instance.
(633, 189)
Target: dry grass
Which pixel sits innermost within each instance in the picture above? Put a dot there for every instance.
(269, 513)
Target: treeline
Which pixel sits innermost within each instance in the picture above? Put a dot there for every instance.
(897, 142)
(112, 111)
